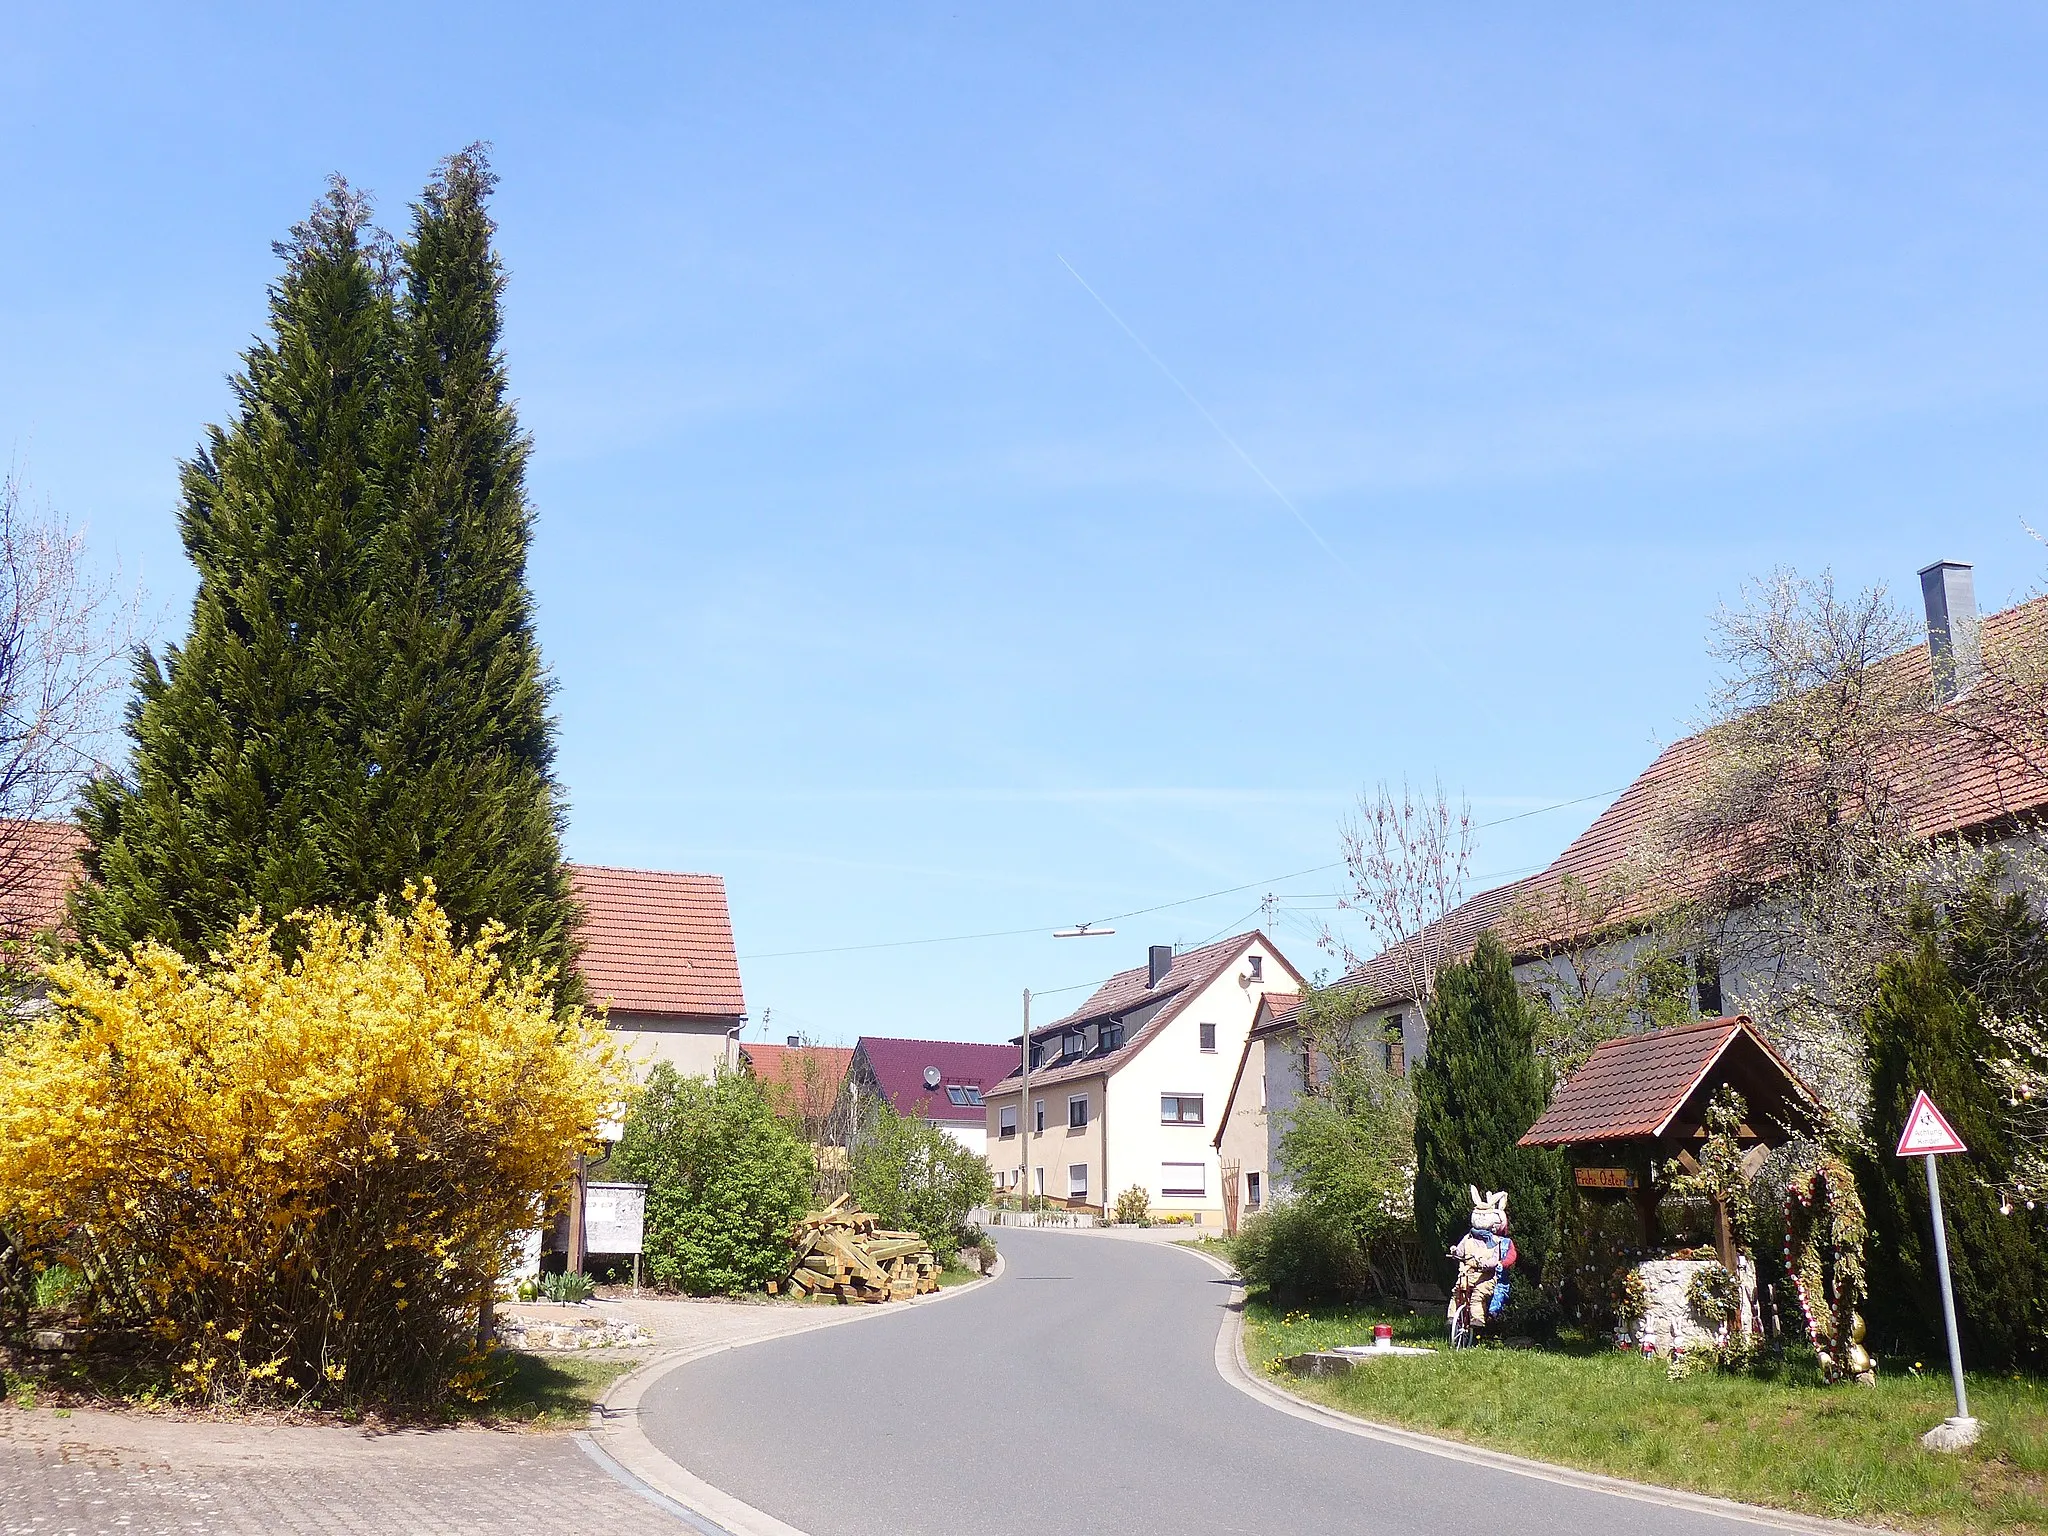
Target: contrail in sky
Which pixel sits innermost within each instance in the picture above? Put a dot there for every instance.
(1235, 446)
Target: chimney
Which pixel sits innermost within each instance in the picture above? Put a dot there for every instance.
(1952, 640)
(795, 1040)
(1158, 961)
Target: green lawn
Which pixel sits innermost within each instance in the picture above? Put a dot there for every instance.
(1847, 1452)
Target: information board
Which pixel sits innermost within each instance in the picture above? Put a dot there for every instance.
(613, 1216)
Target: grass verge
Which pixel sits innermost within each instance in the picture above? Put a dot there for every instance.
(1781, 1439)
(551, 1391)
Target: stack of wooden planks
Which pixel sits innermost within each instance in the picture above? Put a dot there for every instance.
(846, 1253)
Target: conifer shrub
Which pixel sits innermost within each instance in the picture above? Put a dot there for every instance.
(726, 1180)
(1476, 1091)
(1926, 1031)
(300, 1177)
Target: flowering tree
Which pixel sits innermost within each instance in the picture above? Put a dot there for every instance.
(300, 1176)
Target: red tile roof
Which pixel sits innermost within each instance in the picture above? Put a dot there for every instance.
(784, 1066)
(655, 943)
(1386, 976)
(898, 1069)
(1633, 1088)
(38, 865)
(1276, 1012)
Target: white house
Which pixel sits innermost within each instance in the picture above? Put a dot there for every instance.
(1128, 1089)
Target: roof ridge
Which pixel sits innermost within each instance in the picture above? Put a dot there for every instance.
(632, 869)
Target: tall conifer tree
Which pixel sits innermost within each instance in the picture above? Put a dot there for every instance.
(360, 700)
(1477, 1089)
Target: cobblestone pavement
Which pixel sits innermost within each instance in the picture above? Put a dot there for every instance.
(142, 1474)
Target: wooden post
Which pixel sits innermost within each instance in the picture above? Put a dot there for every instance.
(1724, 1235)
(578, 1187)
(1646, 1205)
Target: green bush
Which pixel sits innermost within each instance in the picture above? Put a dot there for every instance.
(1295, 1253)
(918, 1179)
(726, 1180)
(1134, 1207)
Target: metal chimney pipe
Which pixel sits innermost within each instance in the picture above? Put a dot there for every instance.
(1953, 647)
(1158, 961)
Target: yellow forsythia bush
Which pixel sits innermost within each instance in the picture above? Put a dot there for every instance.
(300, 1175)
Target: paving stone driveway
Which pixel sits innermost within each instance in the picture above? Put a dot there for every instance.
(143, 1474)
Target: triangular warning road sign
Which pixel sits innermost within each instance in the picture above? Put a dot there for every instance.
(1926, 1131)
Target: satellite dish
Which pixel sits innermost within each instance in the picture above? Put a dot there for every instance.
(931, 1077)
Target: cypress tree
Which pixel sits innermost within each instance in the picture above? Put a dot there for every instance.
(361, 699)
(241, 749)
(1478, 1088)
(1925, 1031)
(460, 732)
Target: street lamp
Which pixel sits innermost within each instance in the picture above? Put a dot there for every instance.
(1078, 931)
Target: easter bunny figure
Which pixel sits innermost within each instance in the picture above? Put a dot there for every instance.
(1484, 1256)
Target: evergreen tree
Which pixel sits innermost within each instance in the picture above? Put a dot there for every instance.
(1478, 1088)
(360, 700)
(459, 731)
(1925, 1031)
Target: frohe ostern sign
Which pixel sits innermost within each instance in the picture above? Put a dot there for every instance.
(1928, 1135)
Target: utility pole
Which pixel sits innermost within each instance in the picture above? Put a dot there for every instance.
(1023, 1108)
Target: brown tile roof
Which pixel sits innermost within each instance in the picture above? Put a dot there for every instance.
(1632, 1088)
(1128, 991)
(656, 943)
(1386, 975)
(1948, 781)
(38, 865)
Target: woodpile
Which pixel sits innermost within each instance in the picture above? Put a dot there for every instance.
(847, 1253)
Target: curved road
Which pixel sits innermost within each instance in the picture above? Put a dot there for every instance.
(1078, 1393)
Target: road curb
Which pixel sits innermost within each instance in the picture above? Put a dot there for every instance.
(1234, 1368)
(616, 1442)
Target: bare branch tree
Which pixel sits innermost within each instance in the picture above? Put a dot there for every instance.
(63, 636)
(1793, 847)
(1406, 859)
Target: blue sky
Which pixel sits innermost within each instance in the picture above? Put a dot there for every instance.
(880, 569)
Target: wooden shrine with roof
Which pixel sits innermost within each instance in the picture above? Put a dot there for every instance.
(1640, 1101)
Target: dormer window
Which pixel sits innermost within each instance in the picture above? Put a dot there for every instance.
(1072, 1045)
(1112, 1037)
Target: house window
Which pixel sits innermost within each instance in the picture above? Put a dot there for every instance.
(1252, 1191)
(1077, 1113)
(956, 1093)
(1070, 1045)
(1038, 1119)
(1184, 1181)
(1209, 1037)
(1037, 1057)
(1180, 1109)
(1396, 1047)
(1258, 965)
(1077, 1181)
(1112, 1036)
(1706, 981)
(1007, 1119)
(973, 1095)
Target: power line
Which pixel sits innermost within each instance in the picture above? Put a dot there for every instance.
(1164, 906)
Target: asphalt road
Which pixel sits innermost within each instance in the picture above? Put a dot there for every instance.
(1078, 1393)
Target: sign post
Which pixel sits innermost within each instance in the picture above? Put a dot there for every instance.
(1927, 1135)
